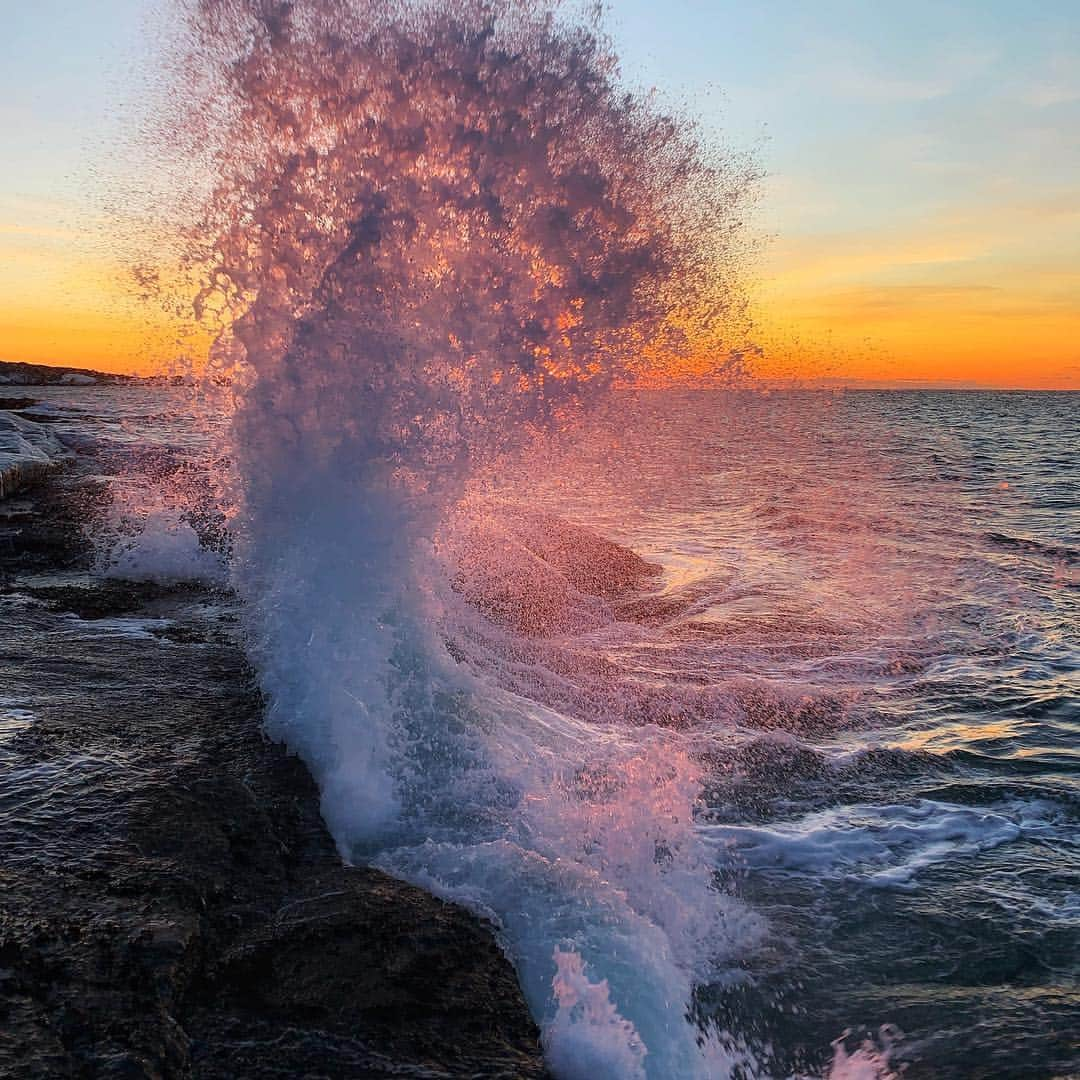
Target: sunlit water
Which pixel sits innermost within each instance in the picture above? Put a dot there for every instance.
(833, 746)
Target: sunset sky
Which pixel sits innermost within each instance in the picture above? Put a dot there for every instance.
(922, 199)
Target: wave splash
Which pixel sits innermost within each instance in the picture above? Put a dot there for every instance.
(433, 237)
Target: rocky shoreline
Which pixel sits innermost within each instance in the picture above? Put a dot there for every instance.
(28, 450)
(14, 373)
(171, 904)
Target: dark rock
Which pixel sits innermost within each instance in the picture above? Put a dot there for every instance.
(108, 598)
(171, 904)
(42, 528)
(22, 374)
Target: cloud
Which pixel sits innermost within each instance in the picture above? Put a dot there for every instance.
(851, 71)
(1021, 245)
(890, 300)
(1059, 83)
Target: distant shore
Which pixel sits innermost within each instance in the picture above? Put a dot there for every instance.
(20, 374)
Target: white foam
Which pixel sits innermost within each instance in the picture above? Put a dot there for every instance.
(868, 1061)
(588, 1039)
(390, 333)
(165, 549)
(13, 721)
(882, 845)
(578, 840)
(135, 628)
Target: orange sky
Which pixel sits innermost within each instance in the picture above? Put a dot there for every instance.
(989, 295)
(880, 307)
(65, 299)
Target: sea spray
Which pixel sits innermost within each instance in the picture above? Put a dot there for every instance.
(433, 237)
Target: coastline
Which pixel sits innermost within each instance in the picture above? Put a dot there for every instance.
(172, 904)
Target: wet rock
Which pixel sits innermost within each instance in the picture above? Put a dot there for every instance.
(171, 904)
(28, 451)
(106, 599)
(43, 528)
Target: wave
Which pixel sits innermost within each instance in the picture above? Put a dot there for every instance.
(434, 238)
(883, 846)
(1025, 545)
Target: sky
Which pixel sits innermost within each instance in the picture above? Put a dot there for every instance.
(920, 212)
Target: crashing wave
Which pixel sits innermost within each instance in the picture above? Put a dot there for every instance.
(435, 236)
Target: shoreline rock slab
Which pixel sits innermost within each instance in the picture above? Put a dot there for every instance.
(28, 450)
(171, 904)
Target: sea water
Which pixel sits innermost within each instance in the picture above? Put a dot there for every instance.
(816, 776)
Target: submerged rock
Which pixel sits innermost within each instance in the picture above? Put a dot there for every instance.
(538, 574)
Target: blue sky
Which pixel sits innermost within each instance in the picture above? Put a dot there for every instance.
(866, 110)
(877, 110)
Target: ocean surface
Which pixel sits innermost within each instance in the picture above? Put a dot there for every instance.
(813, 780)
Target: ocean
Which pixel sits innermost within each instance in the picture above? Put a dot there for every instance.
(799, 771)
